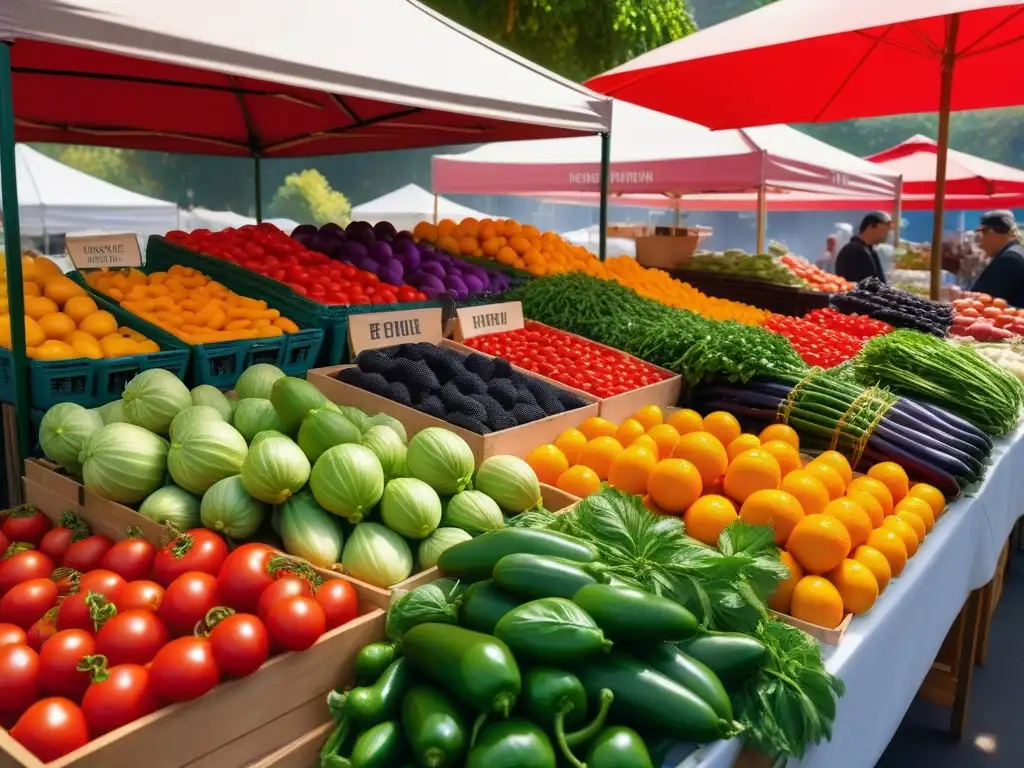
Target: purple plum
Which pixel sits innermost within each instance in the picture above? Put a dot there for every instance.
(361, 231)
(456, 286)
(392, 271)
(433, 268)
(384, 229)
(409, 259)
(370, 265)
(381, 252)
(353, 251)
(473, 284)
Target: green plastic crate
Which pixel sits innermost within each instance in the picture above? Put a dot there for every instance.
(90, 383)
(332, 319)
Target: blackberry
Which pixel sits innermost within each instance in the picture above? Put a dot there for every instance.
(503, 391)
(398, 392)
(469, 383)
(416, 375)
(521, 380)
(480, 365)
(502, 368)
(411, 351)
(375, 361)
(524, 413)
(548, 400)
(432, 406)
(569, 399)
(460, 419)
(498, 418)
(445, 363)
(451, 396)
(391, 352)
(525, 396)
(371, 382)
(349, 375)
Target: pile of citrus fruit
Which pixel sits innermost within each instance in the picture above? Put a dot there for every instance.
(62, 322)
(189, 305)
(843, 537)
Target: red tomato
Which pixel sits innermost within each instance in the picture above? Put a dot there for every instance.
(23, 566)
(80, 611)
(132, 558)
(125, 694)
(4, 544)
(12, 635)
(19, 678)
(42, 630)
(102, 582)
(58, 663)
(27, 524)
(25, 603)
(141, 595)
(339, 600)
(66, 579)
(184, 669)
(51, 728)
(132, 637)
(195, 550)
(56, 541)
(240, 644)
(187, 601)
(295, 623)
(286, 586)
(87, 554)
(244, 576)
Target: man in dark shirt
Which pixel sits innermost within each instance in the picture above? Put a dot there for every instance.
(858, 259)
(1003, 278)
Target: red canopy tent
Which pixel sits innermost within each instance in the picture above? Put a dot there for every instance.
(824, 60)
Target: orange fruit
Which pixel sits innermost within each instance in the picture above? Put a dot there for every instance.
(548, 462)
(79, 307)
(579, 481)
(892, 547)
(782, 432)
(674, 485)
(686, 420)
(853, 517)
(816, 601)
(99, 324)
(778, 509)
(446, 228)
(628, 431)
(630, 469)
(744, 442)
(650, 416)
(838, 462)
(829, 477)
(45, 269)
(751, 471)
(645, 441)
(780, 598)
(819, 543)
(707, 517)
(856, 584)
(571, 443)
(904, 530)
(705, 452)
(34, 335)
(665, 437)
(869, 504)
(931, 494)
(785, 454)
(61, 289)
(918, 507)
(893, 477)
(875, 488)
(915, 522)
(808, 490)
(876, 562)
(39, 306)
(595, 427)
(722, 425)
(85, 345)
(599, 455)
(53, 349)
(57, 325)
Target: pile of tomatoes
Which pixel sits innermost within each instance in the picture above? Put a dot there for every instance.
(95, 633)
(266, 250)
(984, 318)
(817, 279)
(861, 326)
(818, 346)
(570, 360)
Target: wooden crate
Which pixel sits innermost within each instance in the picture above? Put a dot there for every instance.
(304, 752)
(247, 718)
(821, 634)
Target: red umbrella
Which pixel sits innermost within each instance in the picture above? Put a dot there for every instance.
(825, 60)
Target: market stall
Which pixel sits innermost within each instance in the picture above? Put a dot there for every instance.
(406, 206)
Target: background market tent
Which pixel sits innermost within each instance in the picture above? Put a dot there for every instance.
(407, 206)
(54, 198)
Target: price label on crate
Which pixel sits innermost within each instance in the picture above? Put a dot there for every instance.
(488, 318)
(386, 329)
(107, 249)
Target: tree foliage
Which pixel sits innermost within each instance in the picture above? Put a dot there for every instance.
(307, 197)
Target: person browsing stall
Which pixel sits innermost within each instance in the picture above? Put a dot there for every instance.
(858, 259)
(1003, 278)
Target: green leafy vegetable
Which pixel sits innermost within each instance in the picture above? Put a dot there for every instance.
(437, 602)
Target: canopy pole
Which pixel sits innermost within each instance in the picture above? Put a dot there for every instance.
(678, 213)
(897, 215)
(762, 217)
(259, 189)
(945, 102)
(12, 251)
(606, 166)
(435, 209)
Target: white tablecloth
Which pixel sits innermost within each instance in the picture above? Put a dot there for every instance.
(886, 653)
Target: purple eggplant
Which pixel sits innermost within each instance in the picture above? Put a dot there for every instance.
(353, 251)
(433, 268)
(455, 284)
(410, 260)
(380, 251)
(384, 229)
(361, 231)
(392, 272)
(473, 284)
(369, 264)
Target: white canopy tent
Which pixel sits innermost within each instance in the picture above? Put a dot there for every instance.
(54, 198)
(204, 218)
(406, 206)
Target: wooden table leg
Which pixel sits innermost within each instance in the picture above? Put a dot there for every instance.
(965, 667)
